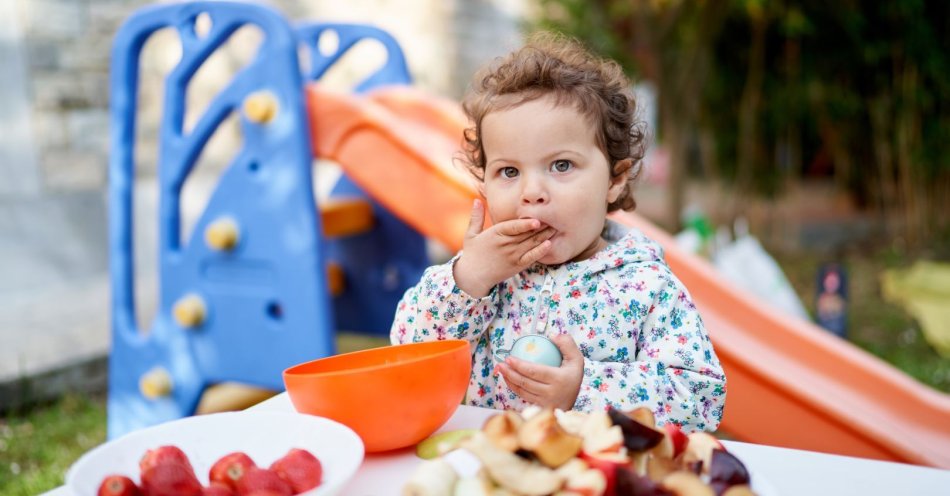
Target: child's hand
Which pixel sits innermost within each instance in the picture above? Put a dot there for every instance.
(554, 387)
(501, 251)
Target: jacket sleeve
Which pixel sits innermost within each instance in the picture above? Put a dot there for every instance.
(437, 309)
(674, 370)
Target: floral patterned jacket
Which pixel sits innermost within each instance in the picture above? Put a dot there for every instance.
(643, 340)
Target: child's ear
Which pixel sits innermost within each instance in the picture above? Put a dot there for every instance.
(618, 179)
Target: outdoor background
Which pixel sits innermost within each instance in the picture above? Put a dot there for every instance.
(823, 126)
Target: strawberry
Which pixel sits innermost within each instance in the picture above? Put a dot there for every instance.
(259, 480)
(230, 468)
(170, 479)
(300, 469)
(163, 454)
(217, 489)
(118, 485)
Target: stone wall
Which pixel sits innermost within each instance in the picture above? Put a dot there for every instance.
(54, 132)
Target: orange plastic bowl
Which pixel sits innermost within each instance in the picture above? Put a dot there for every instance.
(393, 397)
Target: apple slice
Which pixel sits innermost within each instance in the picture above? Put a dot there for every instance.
(591, 482)
(543, 436)
(502, 430)
(636, 436)
(657, 467)
(511, 471)
(677, 437)
(643, 415)
(740, 490)
(441, 443)
(684, 483)
(607, 463)
(699, 449)
(727, 468)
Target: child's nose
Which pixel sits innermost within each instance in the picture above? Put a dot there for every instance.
(533, 192)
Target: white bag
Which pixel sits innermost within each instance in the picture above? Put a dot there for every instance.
(746, 264)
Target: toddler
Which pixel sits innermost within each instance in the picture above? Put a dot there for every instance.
(555, 145)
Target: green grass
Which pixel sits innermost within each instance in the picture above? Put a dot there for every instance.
(37, 447)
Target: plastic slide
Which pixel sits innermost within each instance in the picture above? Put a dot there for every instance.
(790, 383)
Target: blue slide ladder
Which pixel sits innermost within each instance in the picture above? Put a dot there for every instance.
(246, 297)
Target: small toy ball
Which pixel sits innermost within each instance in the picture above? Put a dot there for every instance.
(534, 348)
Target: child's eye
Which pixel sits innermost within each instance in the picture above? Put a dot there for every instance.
(561, 165)
(509, 172)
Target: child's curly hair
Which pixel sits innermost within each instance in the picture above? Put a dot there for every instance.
(554, 64)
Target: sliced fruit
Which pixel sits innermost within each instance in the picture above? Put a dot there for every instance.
(725, 467)
(543, 436)
(600, 434)
(740, 490)
(700, 448)
(643, 415)
(684, 483)
(628, 482)
(441, 443)
(636, 436)
(511, 471)
(591, 482)
(658, 467)
(431, 478)
(607, 463)
(502, 430)
(677, 437)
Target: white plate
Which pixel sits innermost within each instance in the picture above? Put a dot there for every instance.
(265, 436)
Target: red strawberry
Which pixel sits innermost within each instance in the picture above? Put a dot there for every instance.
(258, 480)
(170, 479)
(300, 469)
(230, 468)
(118, 485)
(161, 455)
(217, 489)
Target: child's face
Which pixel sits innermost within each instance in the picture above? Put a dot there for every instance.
(542, 162)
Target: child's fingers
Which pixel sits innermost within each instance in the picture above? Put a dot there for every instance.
(477, 221)
(515, 227)
(533, 238)
(519, 383)
(536, 373)
(535, 254)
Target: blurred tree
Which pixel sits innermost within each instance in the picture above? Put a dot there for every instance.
(858, 91)
(668, 42)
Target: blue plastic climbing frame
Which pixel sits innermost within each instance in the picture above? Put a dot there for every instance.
(246, 296)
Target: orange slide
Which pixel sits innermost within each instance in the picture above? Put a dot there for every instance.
(791, 384)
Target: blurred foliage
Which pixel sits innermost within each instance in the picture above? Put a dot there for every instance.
(760, 93)
(36, 447)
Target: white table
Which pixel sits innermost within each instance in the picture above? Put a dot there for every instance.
(785, 472)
